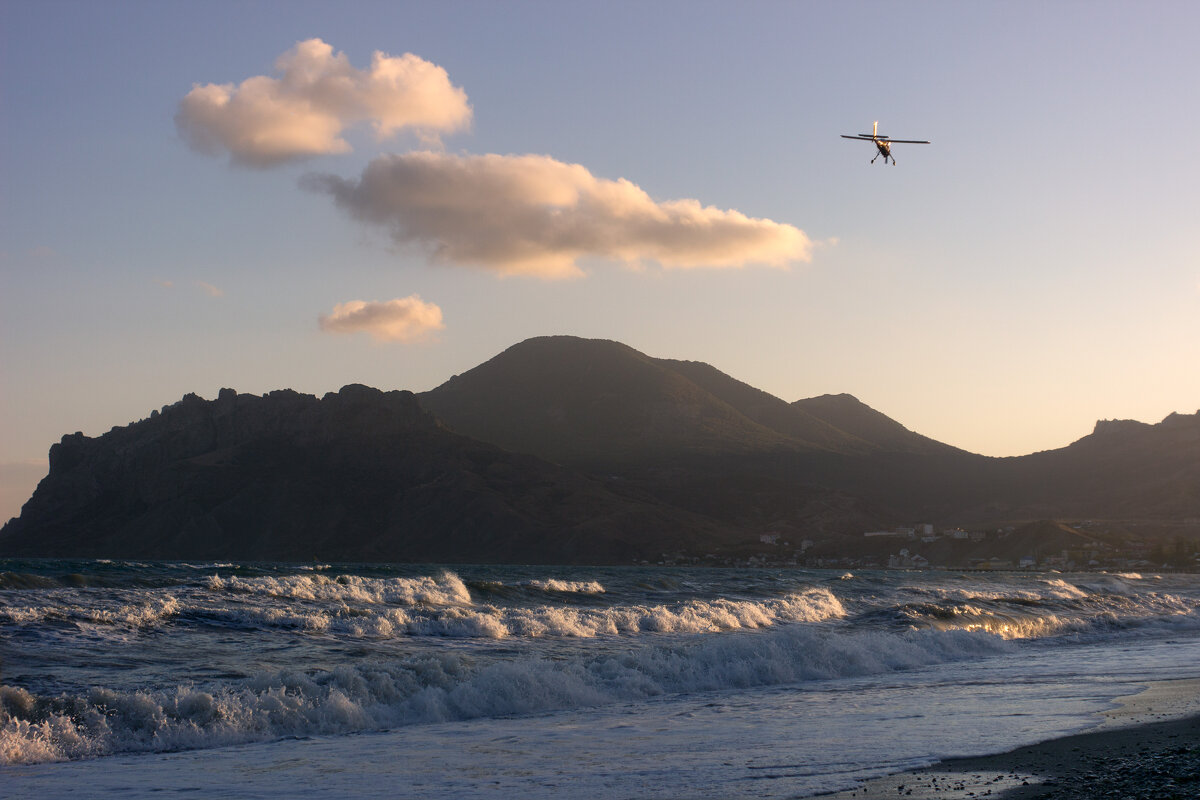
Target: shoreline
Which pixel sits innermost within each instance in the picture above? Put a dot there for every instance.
(1147, 748)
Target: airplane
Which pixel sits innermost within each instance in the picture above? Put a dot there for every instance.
(883, 143)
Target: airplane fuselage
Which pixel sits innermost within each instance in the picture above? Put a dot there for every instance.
(882, 143)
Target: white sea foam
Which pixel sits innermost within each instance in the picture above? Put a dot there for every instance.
(556, 585)
(446, 589)
(1054, 608)
(438, 648)
(135, 612)
(500, 622)
(449, 687)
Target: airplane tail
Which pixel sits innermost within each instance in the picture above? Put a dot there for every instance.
(875, 128)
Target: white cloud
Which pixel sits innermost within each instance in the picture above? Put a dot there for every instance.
(266, 121)
(210, 290)
(404, 319)
(533, 215)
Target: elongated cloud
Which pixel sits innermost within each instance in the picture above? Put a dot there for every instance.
(266, 121)
(533, 215)
(404, 319)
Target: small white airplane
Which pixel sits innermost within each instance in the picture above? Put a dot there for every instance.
(883, 143)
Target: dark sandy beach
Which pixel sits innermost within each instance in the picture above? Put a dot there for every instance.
(1149, 761)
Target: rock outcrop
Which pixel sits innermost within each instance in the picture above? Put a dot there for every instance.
(560, 450)
(358, 475)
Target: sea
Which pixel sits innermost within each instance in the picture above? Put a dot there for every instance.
(149, 679)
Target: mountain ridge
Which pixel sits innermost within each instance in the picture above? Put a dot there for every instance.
(562, 450)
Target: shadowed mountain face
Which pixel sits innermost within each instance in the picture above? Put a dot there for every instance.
(702, 440)
(588, 401)
(853, 417)
(560, 450)
(357, 475)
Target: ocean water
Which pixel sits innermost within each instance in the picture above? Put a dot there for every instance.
(269, 680)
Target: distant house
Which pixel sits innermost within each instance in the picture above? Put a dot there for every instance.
(899, 533)
(769, 538)
(903, 560)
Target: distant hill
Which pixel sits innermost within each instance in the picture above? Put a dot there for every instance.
(356, 475)
(1123, 469)
(848, 414)
(704, 441)
(589, 401)
(566, 450)
(586, 401)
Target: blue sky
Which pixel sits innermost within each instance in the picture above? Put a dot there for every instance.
(1033, 270)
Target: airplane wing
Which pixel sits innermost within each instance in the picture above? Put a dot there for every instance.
(908, 141)
(864, 138)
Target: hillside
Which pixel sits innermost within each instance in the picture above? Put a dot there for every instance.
(569, 450)
(848, 414)
(589, 401)
(356, 475)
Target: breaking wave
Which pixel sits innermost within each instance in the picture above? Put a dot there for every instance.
(218, 654)
(447, 687)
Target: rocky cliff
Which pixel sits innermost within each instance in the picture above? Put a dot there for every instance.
(356, 475)
(560, 450)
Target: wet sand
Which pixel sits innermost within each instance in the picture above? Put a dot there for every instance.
(1142, 751)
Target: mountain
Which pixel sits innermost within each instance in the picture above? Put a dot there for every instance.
(699, 439)
(851, 416)
(569, 450)
(1123, 469)
(356, 475)
(592, 401)
(588, 401)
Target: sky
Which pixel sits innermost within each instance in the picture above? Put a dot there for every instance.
(266, 195)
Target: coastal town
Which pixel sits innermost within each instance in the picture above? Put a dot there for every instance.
(1082, 546)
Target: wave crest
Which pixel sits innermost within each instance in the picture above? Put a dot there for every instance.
(447, 687)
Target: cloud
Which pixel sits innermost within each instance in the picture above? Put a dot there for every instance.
(207, 288)
(404, 319)
(210, 290)
(533, 215)
(266, 121)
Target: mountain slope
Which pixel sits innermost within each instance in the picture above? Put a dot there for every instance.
(578, 401)
(1123, 469)
(356, 475)
(590, 401)
(654, 456)
(792, 421)
(849, 415)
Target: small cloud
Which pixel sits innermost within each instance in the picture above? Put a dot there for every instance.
(533, 215)
(164, 284)
(404, 319)
(267, 121)
(210, 290)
